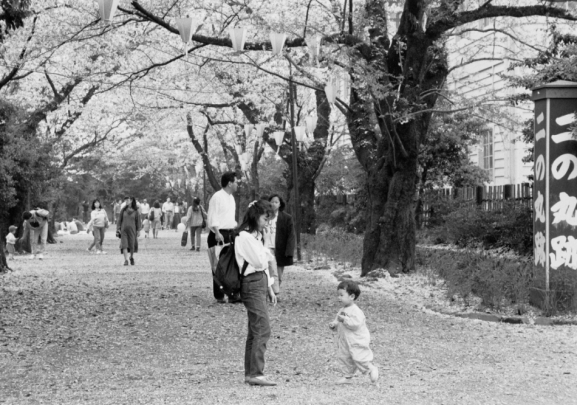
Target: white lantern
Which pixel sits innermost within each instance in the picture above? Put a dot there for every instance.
(180, 227)
(260, 130)
(238, 149)
(107, 9)
(314, 45)
(244, 161)
(178, 182)
(167, 184)
(277, 41)
(248, 130)
(238, 38)
(278, 137)
(311, 123)
(199, 166)
(300, 132)
(331, 91)
(185, 28)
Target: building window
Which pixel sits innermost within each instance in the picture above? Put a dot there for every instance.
(487, 163)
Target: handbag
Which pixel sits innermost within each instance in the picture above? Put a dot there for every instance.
(184, 239)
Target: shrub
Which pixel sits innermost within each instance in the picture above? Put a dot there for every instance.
(465, 225)
(497, 281)
(335, 244)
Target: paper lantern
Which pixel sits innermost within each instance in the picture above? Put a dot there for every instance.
(300, 132)
(331, 91)
(107, 9)
(248, 130)
(238, 38)
(180, 227)
(260, 130)
(277, 41)
(238, 149)
(311, 123)
(314, 46)
(167, 185)
(278, 137)
(178, 182)
(185, 28)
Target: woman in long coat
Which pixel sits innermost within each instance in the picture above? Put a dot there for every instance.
(128, 226)
(284, 237)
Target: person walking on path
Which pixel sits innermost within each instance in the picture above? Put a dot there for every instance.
(85, 215)
(144, 209)
(128, 228)
(222, 223)
(177, 216)
(254, 259)
(282, 240)
(196, 216)
(168, 211)
(36, 223)
(98, 224)
(353, 337)
(116, 211)
(11, 242)
(155, 217)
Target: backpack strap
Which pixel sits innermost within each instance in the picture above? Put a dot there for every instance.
(244, 266)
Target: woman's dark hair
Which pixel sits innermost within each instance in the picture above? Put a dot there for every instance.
(26, 215)
(93, 207)
(282, 202)
(195, 204)
(156, 204)
(350, 287)
(255, 210)
(132, 204)
(228, 177)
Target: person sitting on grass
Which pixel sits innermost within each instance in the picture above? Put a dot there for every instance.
(353, 336)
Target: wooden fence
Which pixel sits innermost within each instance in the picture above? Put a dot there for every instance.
(488, 198)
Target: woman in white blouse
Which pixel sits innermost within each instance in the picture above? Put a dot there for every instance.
(255, 284)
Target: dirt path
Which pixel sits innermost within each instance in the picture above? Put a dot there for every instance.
(79, 328)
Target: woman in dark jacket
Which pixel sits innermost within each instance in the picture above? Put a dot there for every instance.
(283, 235)
(128, 230)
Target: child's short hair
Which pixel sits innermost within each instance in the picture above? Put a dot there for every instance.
(350, 287)
(12, 229)
(26, 215)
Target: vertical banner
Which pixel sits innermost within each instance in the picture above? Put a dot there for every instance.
(555, 186)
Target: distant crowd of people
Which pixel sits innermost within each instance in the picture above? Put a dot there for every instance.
(264, 244)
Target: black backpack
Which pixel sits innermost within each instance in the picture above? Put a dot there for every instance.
(151, 216)
(227, 274)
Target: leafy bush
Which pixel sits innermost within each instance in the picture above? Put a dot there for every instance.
(335, 244)
(497, 281)
(468, 226)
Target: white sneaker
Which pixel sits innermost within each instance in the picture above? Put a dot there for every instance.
(102, 252)
(32, 257)
(98, 252)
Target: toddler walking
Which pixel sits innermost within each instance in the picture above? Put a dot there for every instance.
(11, 242)
(353, 336)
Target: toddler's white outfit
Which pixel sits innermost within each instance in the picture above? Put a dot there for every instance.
(353, 339)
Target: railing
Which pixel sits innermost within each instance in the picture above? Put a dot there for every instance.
(488, 198)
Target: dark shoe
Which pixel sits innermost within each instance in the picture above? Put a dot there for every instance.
(126, 262)
(246, 379)
(132, 261)
(234, 300)
(260, 381)
(221, 301)
(192, 248)
(198, 249)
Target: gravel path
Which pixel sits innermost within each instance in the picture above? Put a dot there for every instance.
(80, 328)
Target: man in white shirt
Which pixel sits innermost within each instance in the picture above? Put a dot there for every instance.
(221, 220)
(168, 210)
(144, 209)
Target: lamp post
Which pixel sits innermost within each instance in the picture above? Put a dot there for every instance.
(296, 205)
